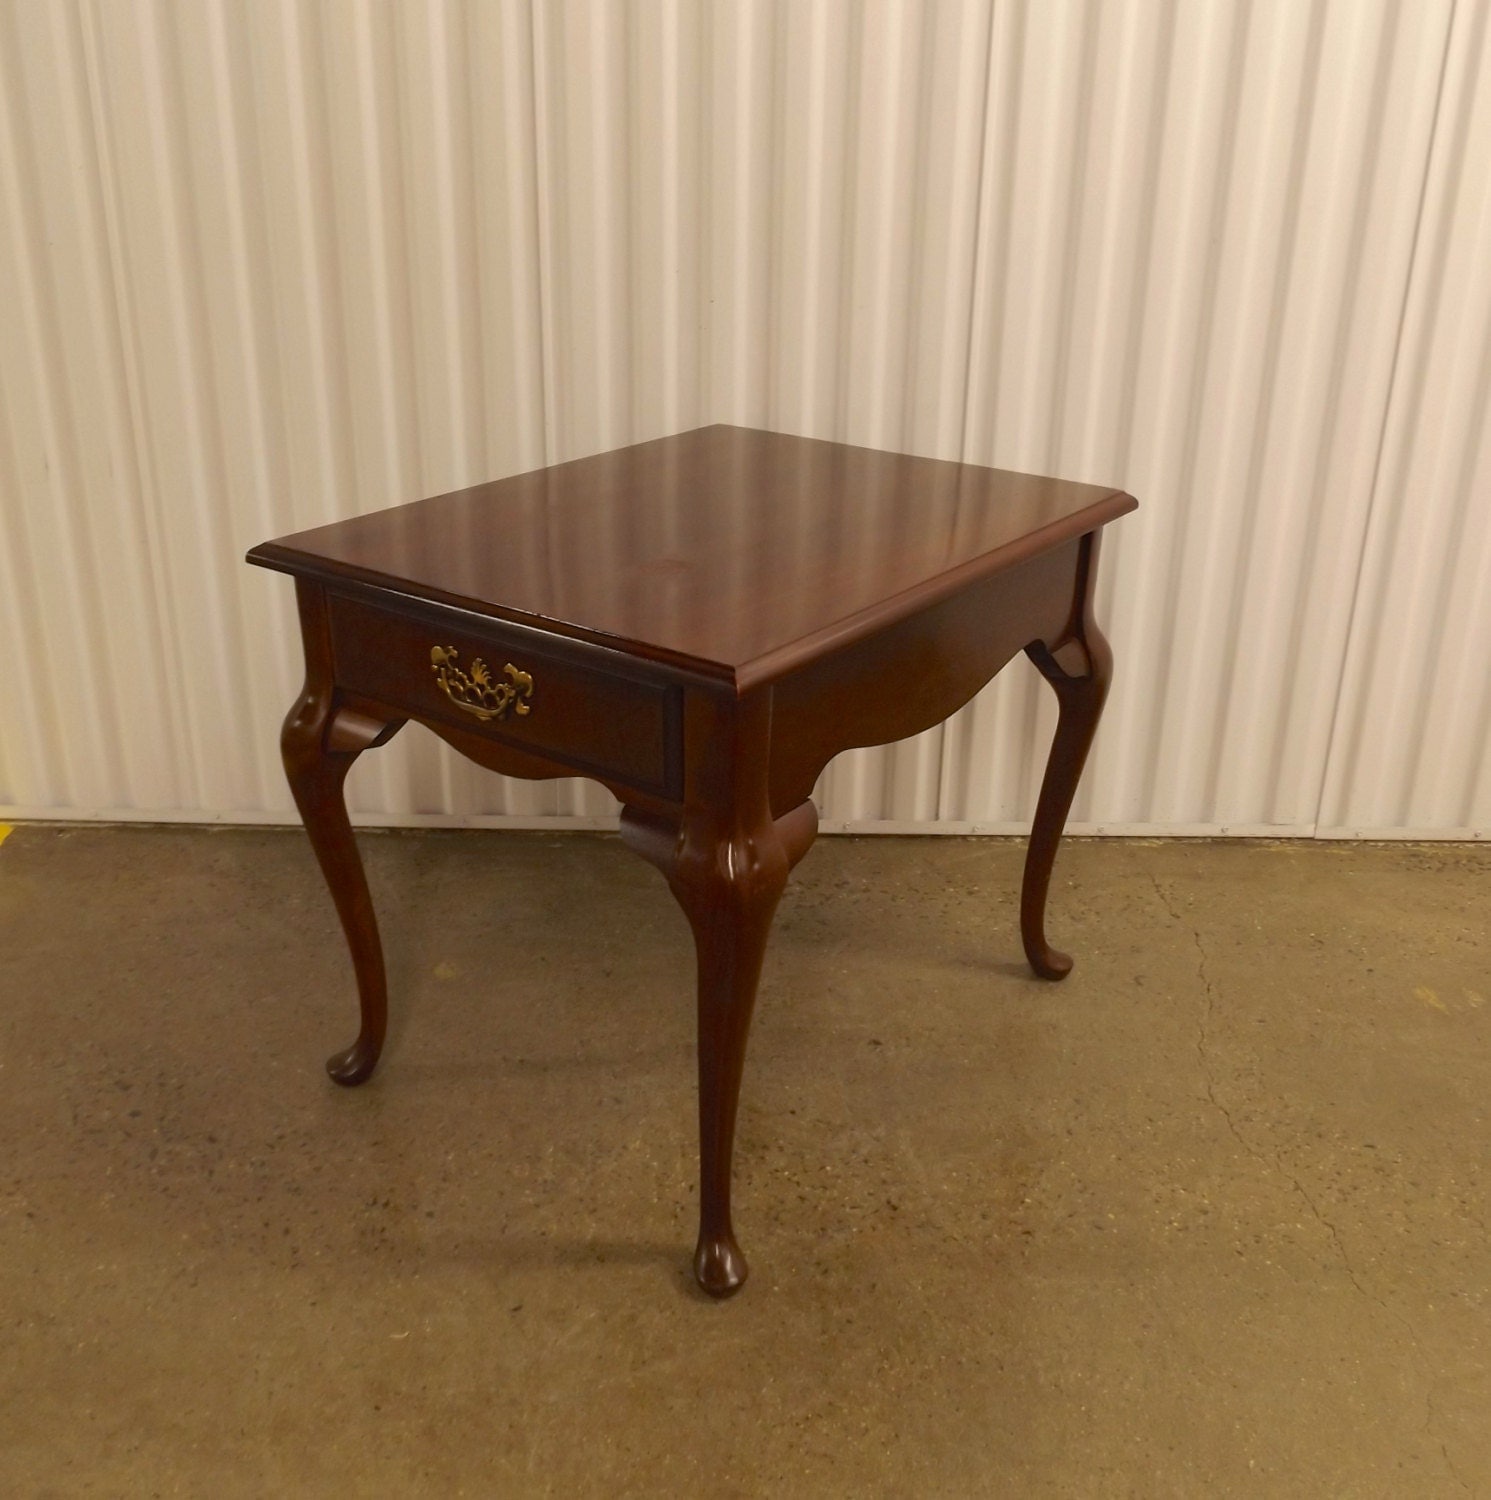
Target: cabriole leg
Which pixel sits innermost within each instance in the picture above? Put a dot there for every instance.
(729, 892)
(1081, 689)
(318, 744)
(727, 865)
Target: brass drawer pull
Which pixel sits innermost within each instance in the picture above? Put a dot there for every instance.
(475, 691)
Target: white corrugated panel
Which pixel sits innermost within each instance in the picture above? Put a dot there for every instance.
(1412, 748)
(262, 266)
(1227, 210)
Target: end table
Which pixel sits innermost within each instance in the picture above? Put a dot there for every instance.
(700, 623)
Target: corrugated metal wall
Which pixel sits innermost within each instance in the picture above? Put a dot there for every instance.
(265, 265)
(1412, 735)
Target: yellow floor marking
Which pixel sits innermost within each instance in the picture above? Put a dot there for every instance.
(1424, 993)
(5, 832)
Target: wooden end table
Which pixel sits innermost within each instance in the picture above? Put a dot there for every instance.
(699, 623)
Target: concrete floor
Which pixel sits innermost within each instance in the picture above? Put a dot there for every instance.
(1208, 1219)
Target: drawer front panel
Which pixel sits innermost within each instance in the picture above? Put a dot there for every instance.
(494, 683)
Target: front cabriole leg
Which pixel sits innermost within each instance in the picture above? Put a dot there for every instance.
(726, 860)
(1079, 670)
(728, 878)
(319, 742)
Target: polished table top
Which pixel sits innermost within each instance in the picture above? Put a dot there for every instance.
(729, 551)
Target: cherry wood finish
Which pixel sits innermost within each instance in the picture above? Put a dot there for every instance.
(701, 624)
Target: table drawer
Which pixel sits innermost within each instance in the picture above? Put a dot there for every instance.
(495, 683)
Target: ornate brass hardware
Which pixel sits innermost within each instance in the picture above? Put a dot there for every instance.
(476, 691)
